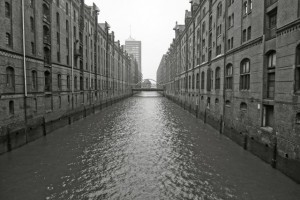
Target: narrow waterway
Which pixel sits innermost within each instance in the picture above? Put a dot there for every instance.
(145, 147)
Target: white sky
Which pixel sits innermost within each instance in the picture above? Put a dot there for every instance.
(151, 21)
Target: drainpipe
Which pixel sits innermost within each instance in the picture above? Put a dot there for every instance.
(24, 62)
(72, 58)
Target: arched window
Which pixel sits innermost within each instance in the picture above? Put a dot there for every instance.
(197, 81)
(208, 102)
(7, 10)
(218, 78)
(271, 74)
(59, 81)
(11, 108)
(216, 101)
(34, 79)
(10, 77)
(245, 75)
(68, 81)
(47, 81)
(297, 68)
(243, 106)
(202, 80)
(227, 103)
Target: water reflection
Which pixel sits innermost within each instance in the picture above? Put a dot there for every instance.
(141, 148)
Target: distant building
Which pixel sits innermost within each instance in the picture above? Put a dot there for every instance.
(134, 47)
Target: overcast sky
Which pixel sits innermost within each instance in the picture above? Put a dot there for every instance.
(151, 21)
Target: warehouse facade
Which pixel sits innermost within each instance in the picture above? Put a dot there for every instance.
(56, 58)
(236, 65)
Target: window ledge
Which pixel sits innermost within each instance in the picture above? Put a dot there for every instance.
(267, 129)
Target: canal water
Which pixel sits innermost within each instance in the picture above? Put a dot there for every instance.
(145, 147)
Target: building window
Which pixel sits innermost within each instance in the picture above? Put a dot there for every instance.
(202, 80)
(218, 78)
(268, 118)
(75, 82)
(208, 84)
(68, 82)
(67, 26)
(47, 56)
(219, 10)
(8, 39)
(67, 9)
(58, 56)
(271, 74)
(227, 103)
(57, 3)
(81, 83)
(34, 79)
(249, 33)
(298, 118)
(59, 82)
(193, 82)
(216, 101)
(219, 50)
(243, 106)
(11, 108)
(32, 48)
(197, 81)
(31, 3)
(297, 78)
(10, 77)
(229, 77)
(245, 75)
(189, 82)
(244, 36)
(208, 102)
(47, 81)
(57, 21)
(272, 24)
(31, 24)
(250, 5)
(245, 7)
(7, 10)
(87, 83)
(231, 20)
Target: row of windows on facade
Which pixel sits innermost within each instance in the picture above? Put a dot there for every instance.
(244, 75)
(10, 80)
(244, 78)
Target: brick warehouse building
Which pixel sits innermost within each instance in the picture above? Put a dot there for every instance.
(69, 62)
(236, 65)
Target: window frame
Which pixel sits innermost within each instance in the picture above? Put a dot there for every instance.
(245, 74)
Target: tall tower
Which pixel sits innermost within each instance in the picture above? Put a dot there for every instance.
(134, 48)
